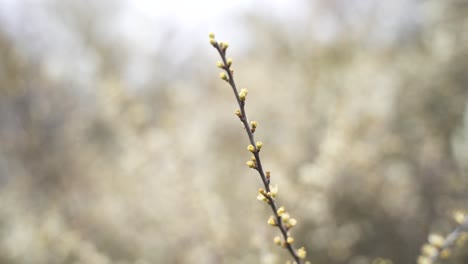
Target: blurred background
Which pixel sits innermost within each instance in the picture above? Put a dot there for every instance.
(118, 142)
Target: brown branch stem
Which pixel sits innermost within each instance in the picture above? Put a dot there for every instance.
(259, 167)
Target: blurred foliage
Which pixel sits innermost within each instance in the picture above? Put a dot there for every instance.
(112, 153)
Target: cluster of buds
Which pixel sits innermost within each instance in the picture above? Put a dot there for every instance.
(301, 252)
(439, 247)
(284, 218)
(225, 66)
(431, 248)
(222, 45)
(254, 149)
(252, 163)
(267, 196)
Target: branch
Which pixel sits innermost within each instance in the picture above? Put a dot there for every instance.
(280, 217)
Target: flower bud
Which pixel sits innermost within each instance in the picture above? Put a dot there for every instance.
(223, 76)
(277, 240)
(251, 164)
(272, 221)
(259, 145)
(251, 148)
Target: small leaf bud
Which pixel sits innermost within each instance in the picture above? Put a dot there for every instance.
(274, 190)
(261, 197)
(272, 221)
(290, 240)
(211, 35)
(223, 76)
(259, 145)
(436, 240)
(251, 148)
(229, 62)
(277, 240)
(280, 211)
(268, 174)
(428, 250)
(212, 41)
(292, 222)
(459, 217)
(251, 164)
(220, 64)
(243, 94)
(238, 113)
(243, 90)
(301, 253)
(285, 217)
(253, 126)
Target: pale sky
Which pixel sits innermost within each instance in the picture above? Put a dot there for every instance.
(141, 27)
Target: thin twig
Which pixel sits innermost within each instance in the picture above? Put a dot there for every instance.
(450, 240)
(256, 152)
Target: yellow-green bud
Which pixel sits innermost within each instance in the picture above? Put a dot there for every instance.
(259, 145)
(285, 217)
(281, 211)
(212, 41)
(459, 217)
(238, 113)
(436, 240)
(225, 45)
(253, 126)
(251, 164)
(277, 240)
(251, 148)
(211, 35)
(290, 240)
(292, 222)
(272, 221)
(229, 62)
(301, 253)
(223, 76)
(219, 64)
(274, 191)
(243, 94)
(262, 197)
(428, 250)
